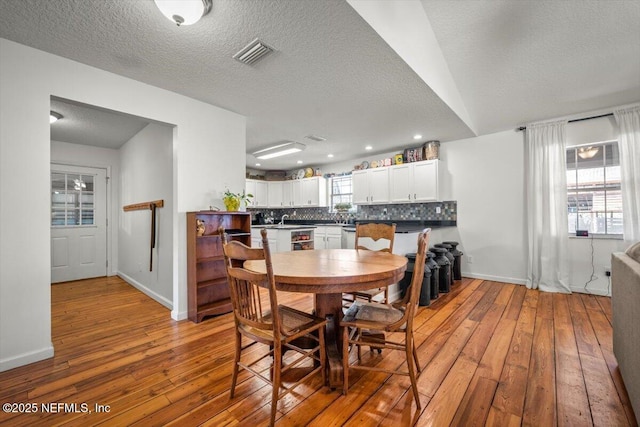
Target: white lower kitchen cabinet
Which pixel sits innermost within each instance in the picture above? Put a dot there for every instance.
(328, 237)
(272, 238)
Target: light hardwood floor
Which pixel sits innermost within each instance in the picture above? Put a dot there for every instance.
(493, 354)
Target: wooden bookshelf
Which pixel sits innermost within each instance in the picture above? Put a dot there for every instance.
(208, 290)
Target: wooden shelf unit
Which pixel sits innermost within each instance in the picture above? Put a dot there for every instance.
(208, 290)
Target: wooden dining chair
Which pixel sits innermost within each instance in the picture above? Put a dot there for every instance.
(394, 318)
(277, 326)
(378, 237)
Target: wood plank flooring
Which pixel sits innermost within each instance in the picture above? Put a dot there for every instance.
(493, 354)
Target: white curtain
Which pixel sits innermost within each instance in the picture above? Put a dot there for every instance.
(629, 144)
(547, 222)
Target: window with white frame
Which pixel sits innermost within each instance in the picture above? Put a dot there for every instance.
(71, 199)
(593, 188)
(341, 191)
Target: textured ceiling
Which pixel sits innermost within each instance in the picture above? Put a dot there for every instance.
(87, 125)
(333, 76)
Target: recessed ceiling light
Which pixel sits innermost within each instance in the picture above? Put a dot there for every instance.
(257, 164)
(54, 117)
(368, 147)
(299, 162)
(329, 155)
(417, 136)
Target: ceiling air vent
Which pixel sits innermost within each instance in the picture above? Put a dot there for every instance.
(252, 52)
(315, 138)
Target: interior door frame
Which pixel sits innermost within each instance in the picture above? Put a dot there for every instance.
(108, 205)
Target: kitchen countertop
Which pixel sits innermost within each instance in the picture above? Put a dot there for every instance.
(401, 226)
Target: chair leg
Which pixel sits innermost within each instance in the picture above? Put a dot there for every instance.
(412, 373)
(323, 355)
(236, 359)
(345, 360)
(275, 392)
(415, 358)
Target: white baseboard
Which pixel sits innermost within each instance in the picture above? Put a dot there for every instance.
(148, 292)
(179, 315)
(26, 358)
(595, 291)
(494, 278)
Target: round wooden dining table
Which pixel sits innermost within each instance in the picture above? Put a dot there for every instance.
(327, 273)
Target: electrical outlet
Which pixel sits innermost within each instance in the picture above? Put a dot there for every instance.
(384, 211)
(438, 209)
(607, 272)
(470, 259)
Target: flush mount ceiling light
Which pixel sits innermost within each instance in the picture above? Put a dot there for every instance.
(281, 149)
(587, 152)
(368, 147)
(417, 136)
(54, 117)
(184, 12)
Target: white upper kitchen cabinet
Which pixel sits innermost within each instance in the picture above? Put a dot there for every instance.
(260, 193)
(310, 192)
(414, 182)
(275, 194)
(371, 186)
(287, 193)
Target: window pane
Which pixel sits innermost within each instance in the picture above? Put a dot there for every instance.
(73, 216)
(87, 217)
(612, 155)
(57, 182)
(57, 217)
(594, 199)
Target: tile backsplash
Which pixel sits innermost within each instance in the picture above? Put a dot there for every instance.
(393, 212)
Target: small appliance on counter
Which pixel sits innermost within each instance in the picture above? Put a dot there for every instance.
(258, 219)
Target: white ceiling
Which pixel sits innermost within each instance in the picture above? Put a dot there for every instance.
(333, 76)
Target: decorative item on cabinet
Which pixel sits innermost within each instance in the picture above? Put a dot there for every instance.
(232, 201)
(399, 158)
(431, 150)
(207, 288)
(200, 227)
(413, 154)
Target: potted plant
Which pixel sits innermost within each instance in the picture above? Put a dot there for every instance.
(232, 201)
(342, 207)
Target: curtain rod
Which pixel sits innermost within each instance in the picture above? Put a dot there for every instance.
(521, 128)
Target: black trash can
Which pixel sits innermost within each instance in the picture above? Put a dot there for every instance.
(449, 257)
(434, 282)
(444, 274)
(457, 255)
(425, 298)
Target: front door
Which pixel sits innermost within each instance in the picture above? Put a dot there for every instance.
(78, 223)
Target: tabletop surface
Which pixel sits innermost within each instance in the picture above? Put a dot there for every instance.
(333, 270)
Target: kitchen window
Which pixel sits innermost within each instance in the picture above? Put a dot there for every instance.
(593, 189)
(341, 191)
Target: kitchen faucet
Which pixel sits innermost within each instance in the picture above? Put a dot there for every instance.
(282, 219)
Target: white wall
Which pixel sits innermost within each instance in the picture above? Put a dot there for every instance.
(86, 155)
(208, 155)
(146, 175)
(485, 176)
